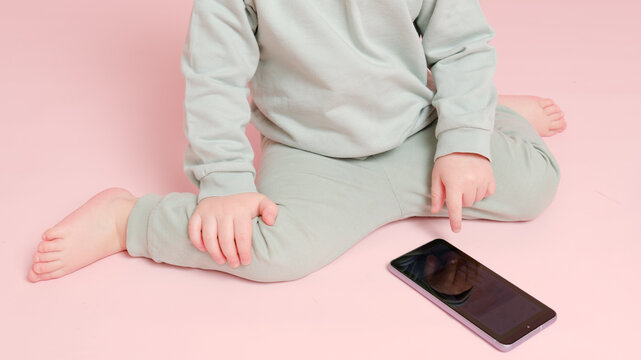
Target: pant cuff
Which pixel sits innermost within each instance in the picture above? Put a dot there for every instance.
(137, 225)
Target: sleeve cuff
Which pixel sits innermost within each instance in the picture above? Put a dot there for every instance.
(229, 183)
(464, 140)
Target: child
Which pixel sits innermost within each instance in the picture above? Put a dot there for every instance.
(351, 139)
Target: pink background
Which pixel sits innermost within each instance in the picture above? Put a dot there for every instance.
(91, 97)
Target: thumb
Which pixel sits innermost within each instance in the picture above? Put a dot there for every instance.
(268, 211)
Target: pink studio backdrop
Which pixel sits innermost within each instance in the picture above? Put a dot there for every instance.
(91, 97)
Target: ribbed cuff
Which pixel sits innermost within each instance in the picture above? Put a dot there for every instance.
(226, 183)
(137, 225)
(464, 140)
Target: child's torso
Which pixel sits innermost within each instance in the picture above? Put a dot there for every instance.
(343, 78)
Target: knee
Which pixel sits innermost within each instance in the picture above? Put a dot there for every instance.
(534, 192)
(276, 271)
(277, 268)
(281, 253)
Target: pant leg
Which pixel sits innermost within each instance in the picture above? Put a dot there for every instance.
(326, 205)
(525, 171)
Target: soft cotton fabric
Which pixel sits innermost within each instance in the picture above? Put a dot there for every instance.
(327, 204)
(339, 78)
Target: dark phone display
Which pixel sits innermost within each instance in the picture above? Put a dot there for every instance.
(472, 290)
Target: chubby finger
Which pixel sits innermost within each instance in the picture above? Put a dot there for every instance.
(468, 197)
(454, 199)
(268, 211)
(438, 195)
(243, 236)
(226, 241)
(491, 189)
(210, 239)
(480, 193)
(194, 229)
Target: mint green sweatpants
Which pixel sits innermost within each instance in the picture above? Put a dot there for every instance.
(326, 204)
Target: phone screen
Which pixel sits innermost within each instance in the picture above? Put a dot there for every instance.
(478, 294)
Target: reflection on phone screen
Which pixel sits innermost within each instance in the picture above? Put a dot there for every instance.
(467, 286)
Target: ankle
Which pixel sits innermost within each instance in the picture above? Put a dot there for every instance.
(124, 206)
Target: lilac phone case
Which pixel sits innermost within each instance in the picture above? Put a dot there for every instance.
(464, 321)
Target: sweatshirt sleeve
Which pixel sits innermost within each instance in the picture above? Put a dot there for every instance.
(455, 40)
(219, 58)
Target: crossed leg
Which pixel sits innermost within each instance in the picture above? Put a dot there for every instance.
(295, 245)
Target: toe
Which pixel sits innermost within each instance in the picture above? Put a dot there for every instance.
(51, 234)
(552, 109)
(558, 129)
(32, 276)
(557, 125)
(50, 245)
(46, 256)
(52, 275)
(47, 267)
(545, 102)
(557, 116)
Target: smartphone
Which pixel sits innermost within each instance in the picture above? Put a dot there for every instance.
(492, 307)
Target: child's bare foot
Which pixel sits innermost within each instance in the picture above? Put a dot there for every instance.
(546, 116)
(95, 230)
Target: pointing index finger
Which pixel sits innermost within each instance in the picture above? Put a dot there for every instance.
(454, 200)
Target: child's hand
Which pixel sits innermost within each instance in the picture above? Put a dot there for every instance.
(218, 221)
(461, 179)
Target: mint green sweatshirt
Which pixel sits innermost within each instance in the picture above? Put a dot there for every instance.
(341, 78)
